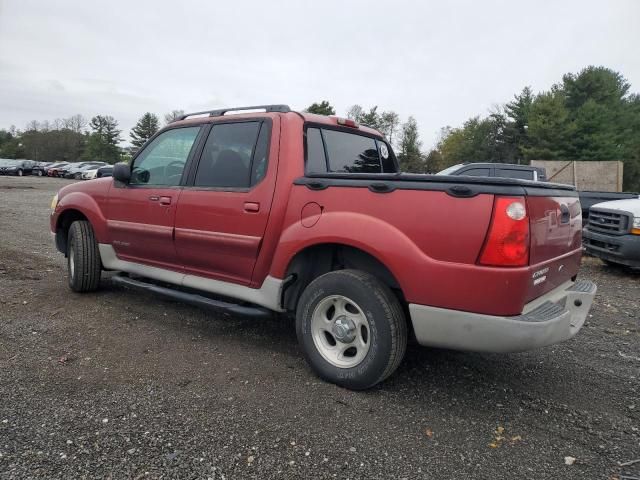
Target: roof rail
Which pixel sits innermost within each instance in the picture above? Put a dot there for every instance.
(220, 112)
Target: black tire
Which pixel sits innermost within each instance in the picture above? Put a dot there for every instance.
(19, 172)
(387, 327)
(39, 173)
(83, 258)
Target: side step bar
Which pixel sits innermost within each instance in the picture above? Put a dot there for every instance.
(191, 298)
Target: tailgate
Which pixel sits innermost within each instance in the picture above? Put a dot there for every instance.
(556, 237)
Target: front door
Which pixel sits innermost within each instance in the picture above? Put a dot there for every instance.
(141, 214)
(223, 211)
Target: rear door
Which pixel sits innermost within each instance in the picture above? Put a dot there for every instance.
(223, 211)
(141, 214)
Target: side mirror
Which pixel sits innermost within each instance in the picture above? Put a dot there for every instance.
(122, 172)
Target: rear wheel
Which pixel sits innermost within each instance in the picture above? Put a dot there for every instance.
(19, 172)
(351, 328)
(83, 258)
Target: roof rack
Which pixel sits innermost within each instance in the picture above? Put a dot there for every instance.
(220, 112)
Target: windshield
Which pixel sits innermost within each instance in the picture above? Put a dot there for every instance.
(450, 170)
(6, 162)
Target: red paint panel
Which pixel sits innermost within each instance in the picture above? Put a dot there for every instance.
(140, 228)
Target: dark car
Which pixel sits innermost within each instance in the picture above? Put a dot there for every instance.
(504, 170)
(105, 171)
(39, 168)
(62, 171)
(17, 167)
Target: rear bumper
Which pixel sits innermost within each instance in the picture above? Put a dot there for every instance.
(623, 249)
(556, 316)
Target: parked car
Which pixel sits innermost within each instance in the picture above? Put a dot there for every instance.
(39, 168)
(90, 172)
(613, 232)
(589, 199)
(52, 170)
(62, 171)
(504, 170)
(77, 170)
(306, 214)
(105, 171)
(17, 167)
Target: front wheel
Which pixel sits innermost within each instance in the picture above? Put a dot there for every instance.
(351, 328)
(39, 173)
(83, 258)
(19, 172)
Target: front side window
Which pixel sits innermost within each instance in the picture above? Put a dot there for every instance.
(162, 161)
(234, 156)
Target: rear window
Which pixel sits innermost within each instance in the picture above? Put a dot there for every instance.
(476, 172)
(515, 173)
(343, 152)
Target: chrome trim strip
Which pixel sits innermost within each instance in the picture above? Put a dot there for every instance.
(268, 295)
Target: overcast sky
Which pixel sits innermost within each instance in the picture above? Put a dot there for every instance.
(441, 62)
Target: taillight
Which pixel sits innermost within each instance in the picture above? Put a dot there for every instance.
(507, 243)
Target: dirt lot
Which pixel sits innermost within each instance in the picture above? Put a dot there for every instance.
(126, 385)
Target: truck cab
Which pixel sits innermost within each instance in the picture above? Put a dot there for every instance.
(504, 170)
(613, 232)
(308, 215)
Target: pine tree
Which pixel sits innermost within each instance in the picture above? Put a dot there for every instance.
(515, 130)
(549, 129)
(102, 144)
(146, 127)
(322, 108)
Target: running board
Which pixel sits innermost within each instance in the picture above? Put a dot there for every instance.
(191, 298)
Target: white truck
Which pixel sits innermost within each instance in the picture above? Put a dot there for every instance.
(613, 232)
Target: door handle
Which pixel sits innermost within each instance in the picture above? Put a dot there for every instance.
(251, 207)
(165, 200)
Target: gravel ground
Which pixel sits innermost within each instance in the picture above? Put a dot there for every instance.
(119, 384)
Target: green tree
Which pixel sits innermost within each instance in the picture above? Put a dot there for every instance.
(549, 128)
(102, 144)
(322, 108)
(146, 127)
(409, 156)
(517, 112)
(389, 125)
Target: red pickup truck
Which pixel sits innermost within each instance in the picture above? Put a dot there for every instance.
(293, 212)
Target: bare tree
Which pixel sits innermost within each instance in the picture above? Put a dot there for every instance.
(172, 116)
(76, 123)
(355, 112)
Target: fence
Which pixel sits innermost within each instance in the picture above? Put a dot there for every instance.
(584, 175)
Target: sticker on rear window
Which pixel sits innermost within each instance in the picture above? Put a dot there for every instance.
(384, 151)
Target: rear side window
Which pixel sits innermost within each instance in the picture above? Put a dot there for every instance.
(234, 156)
(338, 151)
(351, 153)
(316, 161)
(515, 173)
(476, 172)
